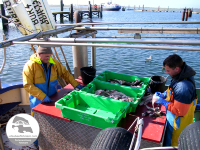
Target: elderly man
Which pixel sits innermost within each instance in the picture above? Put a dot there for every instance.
(40, 75)
(180, 99)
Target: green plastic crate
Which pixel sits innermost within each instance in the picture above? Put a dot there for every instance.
(136, 93)
(107, 75)
(92, 109)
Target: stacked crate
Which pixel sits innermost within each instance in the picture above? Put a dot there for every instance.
(99, 111)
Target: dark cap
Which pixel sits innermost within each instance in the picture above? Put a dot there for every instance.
(44, 50)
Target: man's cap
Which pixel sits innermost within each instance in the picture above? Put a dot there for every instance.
(44, 50)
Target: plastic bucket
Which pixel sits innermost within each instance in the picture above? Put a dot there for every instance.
(87, 74)
(157, 84)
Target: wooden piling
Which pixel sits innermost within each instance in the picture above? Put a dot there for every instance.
(61, 9)
(190, 14)
(183, 15)
(101, 8)
(4, 21)
(81, 15)
(71, 13)
(186, 16)
(90, 10)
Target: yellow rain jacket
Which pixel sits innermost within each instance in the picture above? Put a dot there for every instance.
(39, 82)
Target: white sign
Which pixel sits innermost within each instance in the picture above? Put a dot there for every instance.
(22, 129)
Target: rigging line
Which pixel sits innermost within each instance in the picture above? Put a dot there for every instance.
(16, 23)
(65, 59)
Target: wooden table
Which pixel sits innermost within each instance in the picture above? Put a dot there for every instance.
(57, 132)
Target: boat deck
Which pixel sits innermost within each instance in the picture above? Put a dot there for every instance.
(53, 126)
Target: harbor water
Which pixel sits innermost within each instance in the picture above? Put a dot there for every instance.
(122, 60)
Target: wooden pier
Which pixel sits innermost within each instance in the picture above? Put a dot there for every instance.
(69, 15)
(159, 9)
(91, 12)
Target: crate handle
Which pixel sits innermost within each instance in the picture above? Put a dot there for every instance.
(59, 106)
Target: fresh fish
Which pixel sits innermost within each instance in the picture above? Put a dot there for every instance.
(152, 109)
(115, 95)
(137, 83)
(153, 112)
(146, 99)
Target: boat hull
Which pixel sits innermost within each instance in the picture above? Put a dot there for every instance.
(112, 8)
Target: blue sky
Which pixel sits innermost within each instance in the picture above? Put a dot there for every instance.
(146, 3)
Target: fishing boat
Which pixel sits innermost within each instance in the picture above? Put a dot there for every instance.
(58, 132)
(109, 6)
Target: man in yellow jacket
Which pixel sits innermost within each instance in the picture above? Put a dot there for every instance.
(40, 75)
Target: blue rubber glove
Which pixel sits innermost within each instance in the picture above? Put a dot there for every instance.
(47, 100)
(78, 87)
(162, 101)
(162, 95)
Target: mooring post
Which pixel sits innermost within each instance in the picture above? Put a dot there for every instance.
(71, 13)
(90, 10)
(143, 7)
(4, 21)
(158, 8)
(168, 9)
(101, 8)
(191, 12)
(81, 15)
(183, 15)
(186, 16)
(61, 9)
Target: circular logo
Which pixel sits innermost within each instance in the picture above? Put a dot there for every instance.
(22, 129)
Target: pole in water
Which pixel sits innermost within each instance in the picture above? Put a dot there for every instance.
(4, 21)
(190, 12)
(183, 15)
(186, 16)
(61, 9)
(71, 13)
(101, 8)
(90, 10)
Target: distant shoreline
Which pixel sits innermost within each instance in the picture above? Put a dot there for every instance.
(153, 9)
(138, 7)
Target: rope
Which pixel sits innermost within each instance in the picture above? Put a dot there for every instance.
(4, 60)
(15, 23)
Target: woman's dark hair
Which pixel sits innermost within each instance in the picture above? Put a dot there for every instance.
(173, 61)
